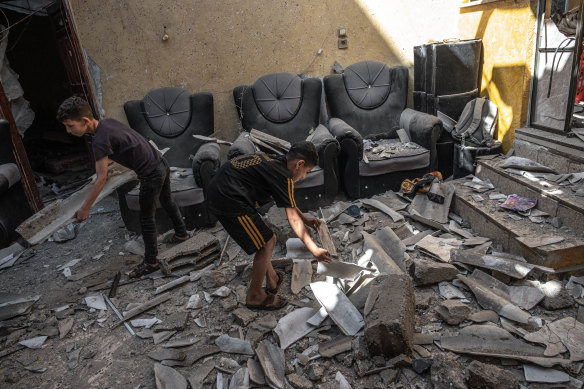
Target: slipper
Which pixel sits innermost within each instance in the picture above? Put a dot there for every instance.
(144, 269)
(179, 239)
(278, 283)
(269, 303)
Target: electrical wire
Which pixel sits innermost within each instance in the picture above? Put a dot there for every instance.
(24, 18)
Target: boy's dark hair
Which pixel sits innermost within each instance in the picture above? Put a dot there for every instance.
(303, 150)
(74, 108)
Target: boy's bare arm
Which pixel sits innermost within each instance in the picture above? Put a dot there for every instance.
(101, 171)
(297, 223)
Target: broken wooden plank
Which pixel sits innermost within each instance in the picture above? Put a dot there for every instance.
(44, 223)
(209, 139)
(396, 217)
(143, 308)
(338, 306)
(510, 267)
(326, 240)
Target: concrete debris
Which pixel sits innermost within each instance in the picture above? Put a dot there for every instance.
(295, 248)
(556, 296)
(222, 291)
(396, 217)
(134, 247)
(244, 316)
(533, 242)
(195, 302)
(199, 373)
(510, 267)
(227, 344)
(484, 316)
(453, 312)
(166, 378)
(65, 326)
(301, 275)
(256, 373)
(34, 343)
(338, 306)
(390, 310)
(438, 248)
(66, 233)
(449, 291)
(162, 336)
(16, 305)
(342, 381)
(96, 302)
(146, 323)
(488, 340)
(335, 346)
(432, 210)
(240, 380)
(143, 308)
(326, 240)
(298, 381)
(427, 272)
(392, 245)
(545, 375)
(294, 326)
(342, 270)
(272, 361)
(227, 365)
(182, 342)
(488, 299)
(545, 336)
(167, 354)
(199, 251)
(484, 376)
(375, 253)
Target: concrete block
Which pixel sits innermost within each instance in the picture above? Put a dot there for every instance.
(389, 326)
(427, 272)
(453, 311)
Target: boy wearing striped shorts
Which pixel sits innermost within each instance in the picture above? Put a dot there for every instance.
(256, 178)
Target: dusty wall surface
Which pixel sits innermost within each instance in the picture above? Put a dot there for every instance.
(508, 31)
(215, 46)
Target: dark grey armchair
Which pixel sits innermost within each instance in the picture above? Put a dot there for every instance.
(288, 107)
(170, 117)
(368, 101)
(14, 207)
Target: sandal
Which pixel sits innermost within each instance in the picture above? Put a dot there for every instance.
(269, 303)
(144, 269)
(179, 239)
(278, 283)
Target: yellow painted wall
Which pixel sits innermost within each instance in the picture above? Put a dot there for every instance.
(507, 29)
(217, 45)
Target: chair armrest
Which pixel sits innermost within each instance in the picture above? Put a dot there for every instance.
(241, 146)
(423, 129)
(205, 163)
(343, 132)
(321, 138)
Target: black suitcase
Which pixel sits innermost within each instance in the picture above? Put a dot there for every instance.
(465, 158)
(446, 76)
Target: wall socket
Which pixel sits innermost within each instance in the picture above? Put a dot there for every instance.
(342, 43)
(341, 32)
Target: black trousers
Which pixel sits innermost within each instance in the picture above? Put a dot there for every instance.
(156, 186)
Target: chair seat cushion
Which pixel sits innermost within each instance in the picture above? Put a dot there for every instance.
(9, 175)
(390, 155)
(184, 190)
(278, 96)
(314, 178)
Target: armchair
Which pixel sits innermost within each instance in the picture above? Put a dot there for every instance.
(14, 207)
(368, 101)
(170, 117)
(288, 107)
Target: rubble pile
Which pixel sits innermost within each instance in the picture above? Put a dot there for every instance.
(413, 299)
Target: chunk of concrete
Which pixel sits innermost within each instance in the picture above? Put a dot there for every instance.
(427, 272)
(484, 376)
(166, 378)
(390, 310)
(453, 312)
(228, 344)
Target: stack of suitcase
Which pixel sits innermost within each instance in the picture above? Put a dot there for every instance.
(446, 77)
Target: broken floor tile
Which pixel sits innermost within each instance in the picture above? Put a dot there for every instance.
(294, 326)
(449, 291)
(256, 373)
(160, 337)
(301, 274)
(272, 360)
(65, 326)
(545, 375)
(228, 344)
(437, 247)
(96, 302)
(199, 373)
(222, 291)
(195, 302)
(545, 336)
(338, 306)
(484, 316)
(176, 321)
(146, 323)
(34, 343)
(167, 354)
(166, 377)
(240, 380)
(227, 365)
(571, 333)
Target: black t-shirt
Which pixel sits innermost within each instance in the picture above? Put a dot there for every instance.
(248, 179)
(125, 146)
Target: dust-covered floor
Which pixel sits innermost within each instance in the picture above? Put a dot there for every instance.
(92, 355)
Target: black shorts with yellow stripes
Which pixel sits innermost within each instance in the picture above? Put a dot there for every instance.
(249, 231)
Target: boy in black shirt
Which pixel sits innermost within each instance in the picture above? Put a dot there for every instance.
(116, 141)
(234, 191)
